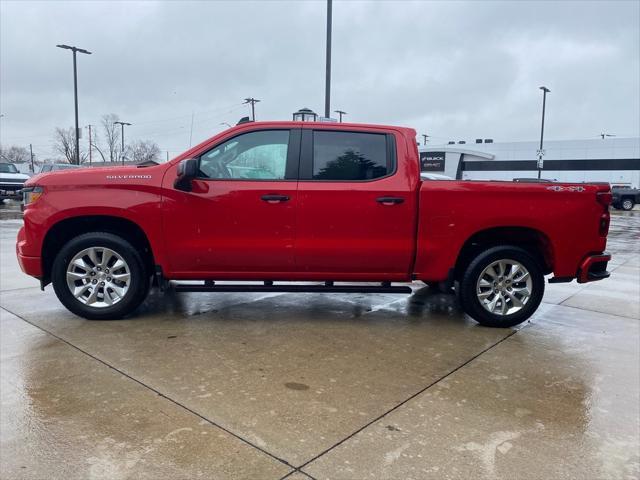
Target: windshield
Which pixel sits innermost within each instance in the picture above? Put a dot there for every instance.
(8, 168)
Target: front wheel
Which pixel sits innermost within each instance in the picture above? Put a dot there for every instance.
(99, 276)
(627, 204)
(502, 287)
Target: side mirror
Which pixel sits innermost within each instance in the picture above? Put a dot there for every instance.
(187, 171)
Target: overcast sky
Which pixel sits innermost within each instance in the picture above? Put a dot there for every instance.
(454, 70)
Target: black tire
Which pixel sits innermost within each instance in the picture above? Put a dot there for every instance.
(627, 204)
(139, 278)
(468, 287)
(439, 287)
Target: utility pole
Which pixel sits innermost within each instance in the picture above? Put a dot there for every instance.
(327, 82)
(545, 90)
(340, 113)
(424, 138)
(75, 94)
(122, 124)
(90, 144)
(33, 170)
(253, 102)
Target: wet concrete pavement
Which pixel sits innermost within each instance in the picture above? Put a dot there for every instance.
(327, 386)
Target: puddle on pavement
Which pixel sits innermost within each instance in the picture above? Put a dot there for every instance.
(624, 232)
(10, 210)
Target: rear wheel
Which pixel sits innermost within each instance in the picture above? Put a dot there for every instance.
(502, 287)
(99, 276)
(627, 204)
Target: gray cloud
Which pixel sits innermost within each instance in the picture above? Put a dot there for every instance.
(456, 70)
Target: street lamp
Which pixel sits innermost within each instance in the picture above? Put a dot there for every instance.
(340, 113)
(122, 124)
(305, 115)
(225, 123)
(75, 93)
(545, 90)
(327, 81)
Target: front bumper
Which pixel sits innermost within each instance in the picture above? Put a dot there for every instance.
(15, 193)
(29, 264)
(594, 268)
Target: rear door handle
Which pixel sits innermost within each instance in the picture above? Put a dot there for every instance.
(389, 200)
(274, 198)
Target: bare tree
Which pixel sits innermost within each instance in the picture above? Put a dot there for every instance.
(95, 143)
(144, 151)
(14, 154)
(64, 143)
(111, 135)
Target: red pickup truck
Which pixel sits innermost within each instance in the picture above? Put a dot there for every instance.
(339, 205)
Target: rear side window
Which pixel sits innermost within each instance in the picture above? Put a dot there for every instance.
(350, 156)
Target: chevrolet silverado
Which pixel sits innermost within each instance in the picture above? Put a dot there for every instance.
(341, 207)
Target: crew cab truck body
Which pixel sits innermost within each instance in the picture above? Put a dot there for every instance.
(291, 201)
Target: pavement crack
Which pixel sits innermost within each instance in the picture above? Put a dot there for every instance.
(406, 400)
(297, 470)
(157, 392)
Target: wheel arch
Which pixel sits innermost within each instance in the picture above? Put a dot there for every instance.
(530, 239)
(68, 228)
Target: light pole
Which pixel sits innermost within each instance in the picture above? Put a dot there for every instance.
(122, 124)
(340, 113)
(253, 102)
(545, 90)
(75, 93)
(327, 82)
(225, 123)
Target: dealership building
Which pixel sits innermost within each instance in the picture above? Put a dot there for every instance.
(613, 160)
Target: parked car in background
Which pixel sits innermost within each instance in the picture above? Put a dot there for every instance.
(11, 181)
(308, 202)
(54, 167)
(625, 198)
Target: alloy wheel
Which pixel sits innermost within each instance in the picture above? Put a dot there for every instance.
(504, 287)
(98, 277)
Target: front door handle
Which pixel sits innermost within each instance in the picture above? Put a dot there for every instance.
(274, 198)
(389, 200)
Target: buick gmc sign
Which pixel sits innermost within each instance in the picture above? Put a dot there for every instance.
(432, 161)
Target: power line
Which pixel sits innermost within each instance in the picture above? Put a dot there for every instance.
(223, 110)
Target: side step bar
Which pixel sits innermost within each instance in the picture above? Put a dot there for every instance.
(269, 287)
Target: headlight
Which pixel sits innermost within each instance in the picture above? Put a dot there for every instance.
(30, 195)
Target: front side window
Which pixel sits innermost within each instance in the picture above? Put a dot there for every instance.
(258, 155)
(349, 156)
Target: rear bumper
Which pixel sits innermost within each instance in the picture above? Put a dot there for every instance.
(594, 268)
